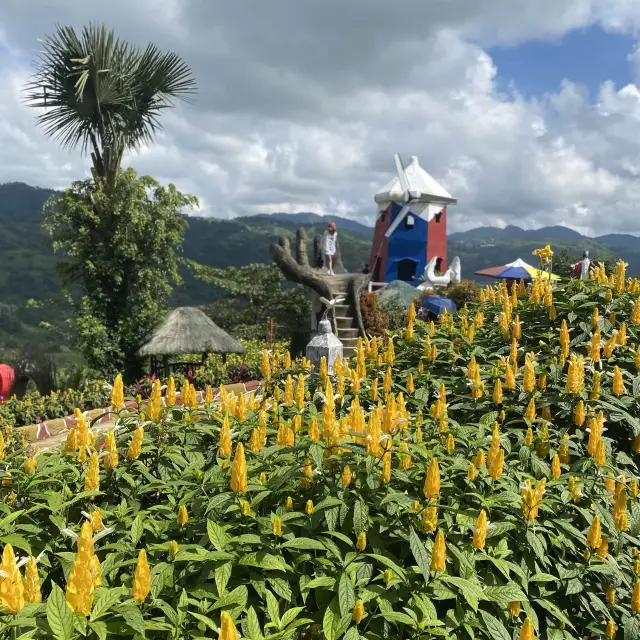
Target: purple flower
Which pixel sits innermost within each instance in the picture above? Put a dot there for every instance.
(139, 386)
(189, 374)
(153, 377)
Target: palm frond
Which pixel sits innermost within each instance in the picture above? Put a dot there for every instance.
(98, 91)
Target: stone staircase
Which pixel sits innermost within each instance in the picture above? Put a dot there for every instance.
(346, 325)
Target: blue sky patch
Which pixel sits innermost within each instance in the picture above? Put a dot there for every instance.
(585, 56)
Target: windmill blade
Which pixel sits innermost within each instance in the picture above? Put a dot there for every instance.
(402, 176)
(398, 219)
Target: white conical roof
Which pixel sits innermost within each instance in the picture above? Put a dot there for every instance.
(422, 187)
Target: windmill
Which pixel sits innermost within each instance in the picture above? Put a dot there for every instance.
(411, 225)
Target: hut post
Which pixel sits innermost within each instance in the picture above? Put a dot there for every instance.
(165, 366)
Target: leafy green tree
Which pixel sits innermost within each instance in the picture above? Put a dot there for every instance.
(118, 267)
(255, 293)
(103, 94)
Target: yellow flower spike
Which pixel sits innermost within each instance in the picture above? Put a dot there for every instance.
(542, 382)
(11, 586)
(358, 611)
(32, 593)
(635, 447)
(563, 453)
(135, 448)
(594, 535)
(556, 471)
(71, 443)
(299, 395)
(432, 481)
(529, 377)
(528, 439)
(530, 413)
(308, 509)
(451, 444)
(438, 553)
(600, 457)
(92, 479)
(618, 383)
(277, 526)
(610, 631)
(497, 465)
(579, 415)
(635, 597)
(141, 578)
(497, 391)
(239, 471)
(30, 464)
(480, 531)
(514, 608)
(472, 473)
(224, 450)
(361, 543)
(510, 378)
(183, 516)
(117, 393)
(265, 365)
(228, 630)
(410, 384)
(611, 594)
(527, 632)
(81, 580)
(173, 549)
(95, 518)
(386, 466)
(386, 383)
(480, 460)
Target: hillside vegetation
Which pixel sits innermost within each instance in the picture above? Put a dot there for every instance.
(27, 261)
(472, 479)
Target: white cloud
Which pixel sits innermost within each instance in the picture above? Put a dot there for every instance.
(302, 105)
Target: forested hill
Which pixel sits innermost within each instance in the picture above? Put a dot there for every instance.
(27, 261)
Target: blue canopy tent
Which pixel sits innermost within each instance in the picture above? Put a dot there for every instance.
(438, 304)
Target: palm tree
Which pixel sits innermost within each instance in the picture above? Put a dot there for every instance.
(104, 94)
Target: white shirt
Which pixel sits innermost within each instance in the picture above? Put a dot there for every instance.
(330, 243)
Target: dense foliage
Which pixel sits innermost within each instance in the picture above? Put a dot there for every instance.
(253, 295)
(456, 482)
(93, 393)
(119, 247)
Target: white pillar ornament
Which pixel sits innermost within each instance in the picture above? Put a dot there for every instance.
(325, 343)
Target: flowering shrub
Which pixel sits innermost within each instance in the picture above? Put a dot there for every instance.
(94, 394)
(476, 478)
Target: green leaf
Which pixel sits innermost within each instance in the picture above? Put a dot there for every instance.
(133, 617)
(273, 609)
(59, 614)
(396, 616)
(104, 599)
(217, 535)
(222, 575)
(236, 597)
(505, 594)
(419, 553)
(100, 629)
(632, 628)
(333, 624)
(253, 625)
(321, 581)
(554, 611)
(352, 634)
(387, 562)
(137, 529)
(17, 541)
(360, 516)
(346, 595)
(290, 615)
(536, 543)
(496, 629)
(303, 543)
(471, 592)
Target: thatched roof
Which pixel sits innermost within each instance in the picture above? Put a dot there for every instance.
(189, 330)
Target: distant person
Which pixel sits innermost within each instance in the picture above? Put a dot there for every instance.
(329, 245)
(365, 268)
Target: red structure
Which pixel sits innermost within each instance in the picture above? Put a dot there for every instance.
(7, 376)
(411, 228)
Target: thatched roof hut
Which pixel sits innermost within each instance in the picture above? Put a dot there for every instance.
(188, 330)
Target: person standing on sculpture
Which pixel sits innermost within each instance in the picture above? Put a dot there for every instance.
(329, 245)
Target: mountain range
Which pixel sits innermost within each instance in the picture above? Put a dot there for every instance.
(27, 261)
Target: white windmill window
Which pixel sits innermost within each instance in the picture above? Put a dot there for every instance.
(410, 222)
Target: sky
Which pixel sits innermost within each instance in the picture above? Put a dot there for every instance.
(527, 112)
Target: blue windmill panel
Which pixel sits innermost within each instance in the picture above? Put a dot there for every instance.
(407, 250)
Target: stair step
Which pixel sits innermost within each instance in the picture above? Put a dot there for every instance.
(344, 322)
(343, 309)
(348, 332)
